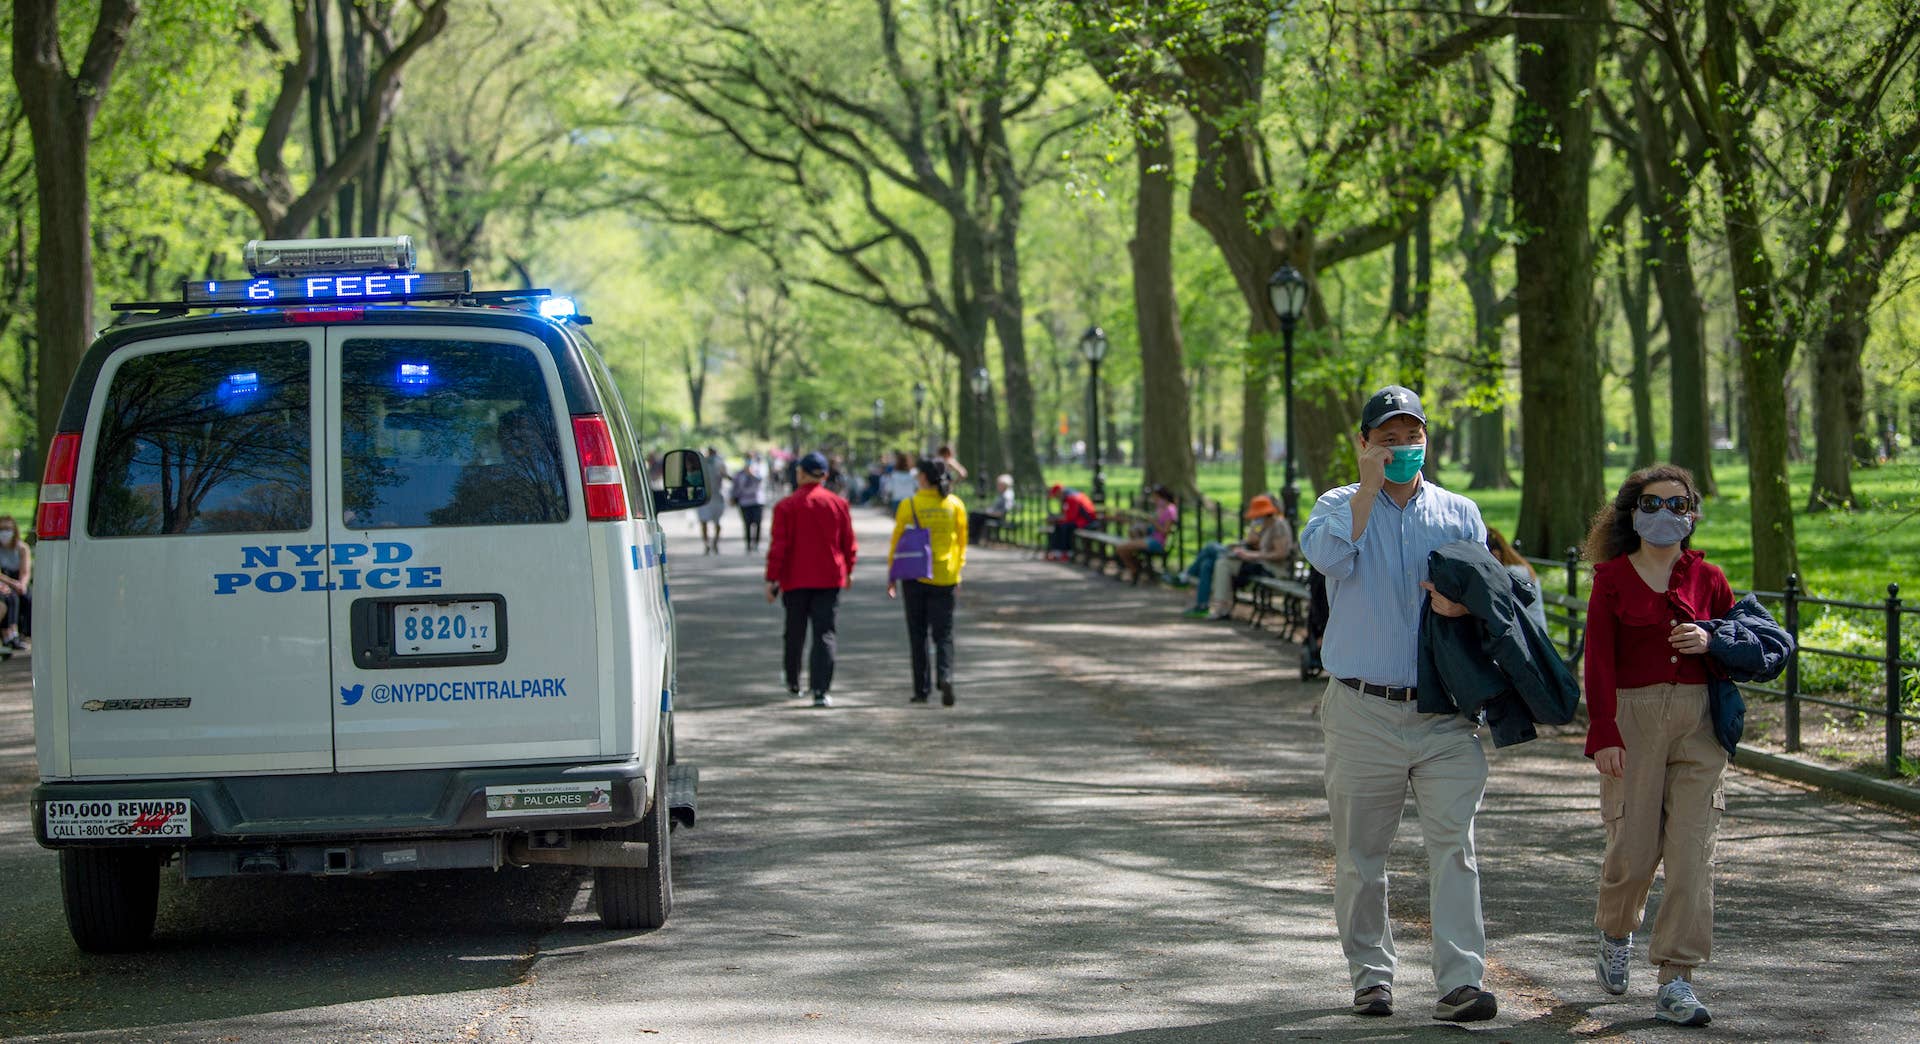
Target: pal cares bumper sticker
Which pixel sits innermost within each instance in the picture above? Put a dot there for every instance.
(546, 799)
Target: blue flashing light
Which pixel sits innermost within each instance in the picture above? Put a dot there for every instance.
(558, 307)
(416, 374)
(243, 383)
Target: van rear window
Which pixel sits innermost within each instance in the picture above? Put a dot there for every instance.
(206, 440)
(447, 433)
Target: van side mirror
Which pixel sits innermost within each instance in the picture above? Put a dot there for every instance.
(684, 482)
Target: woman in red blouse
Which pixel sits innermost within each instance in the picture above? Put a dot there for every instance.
(1650, 734)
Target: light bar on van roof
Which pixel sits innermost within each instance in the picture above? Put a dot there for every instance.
(327, 289)
(290, 257)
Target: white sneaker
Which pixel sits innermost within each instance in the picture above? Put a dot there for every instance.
(1610, 967)
(1676, 1003)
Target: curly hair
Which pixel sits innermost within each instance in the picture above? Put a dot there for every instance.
(1612, 533)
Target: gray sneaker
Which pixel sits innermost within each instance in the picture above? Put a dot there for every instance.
(1610, 967)
(1374, 1000)
(1677, 1003)
(821, 699)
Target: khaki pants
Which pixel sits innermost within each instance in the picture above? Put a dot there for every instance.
(1377, 751)
(1225, 568)
(1664, 810)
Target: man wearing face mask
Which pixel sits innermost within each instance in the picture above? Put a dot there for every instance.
(1371, 540)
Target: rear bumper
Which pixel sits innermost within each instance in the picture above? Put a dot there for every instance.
(345, 806)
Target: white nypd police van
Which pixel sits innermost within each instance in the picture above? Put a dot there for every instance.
(357, 572)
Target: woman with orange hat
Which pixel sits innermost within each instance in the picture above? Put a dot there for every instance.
(1219, 569)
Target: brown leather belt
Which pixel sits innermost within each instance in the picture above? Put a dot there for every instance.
(1396, 693)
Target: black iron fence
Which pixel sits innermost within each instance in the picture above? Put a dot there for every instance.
(1894, 661)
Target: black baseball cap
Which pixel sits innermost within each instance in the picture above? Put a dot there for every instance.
(1389, 402)
(813, 464)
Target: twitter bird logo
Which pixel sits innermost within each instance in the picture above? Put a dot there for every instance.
(350, 694)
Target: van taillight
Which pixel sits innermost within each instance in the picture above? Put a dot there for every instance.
(56, 487)
(599, 469)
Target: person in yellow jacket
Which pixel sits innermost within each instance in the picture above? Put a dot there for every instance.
(930, 601)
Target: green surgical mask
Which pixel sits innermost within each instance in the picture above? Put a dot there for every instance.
(1406, 463)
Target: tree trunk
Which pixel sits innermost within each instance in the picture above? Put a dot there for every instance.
(1669, 236)
(1765, 353)
(1562, 429)
(1164, 421)
(60, 109)
(1634, 305)
(1839, 406)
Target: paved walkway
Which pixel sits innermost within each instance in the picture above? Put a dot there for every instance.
(1118, 834)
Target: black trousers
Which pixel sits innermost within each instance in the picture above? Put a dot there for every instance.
(750, 522)
(929, 622)
(816, 606)
(1062, 537)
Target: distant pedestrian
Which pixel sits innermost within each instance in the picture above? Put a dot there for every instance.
(901, 483)
(929, 599)
(1382, 736)
(1520, 569)
(750, 497)
(16, 587)
(715, 509)
(809, 561)
(944, 454)
(1650, 733)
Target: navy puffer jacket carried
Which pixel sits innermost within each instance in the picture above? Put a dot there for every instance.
(1746, 645)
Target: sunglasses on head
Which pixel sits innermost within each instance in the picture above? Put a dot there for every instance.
(1679, 505)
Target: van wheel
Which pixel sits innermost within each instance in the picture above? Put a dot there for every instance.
(641, 898)
(112, 895)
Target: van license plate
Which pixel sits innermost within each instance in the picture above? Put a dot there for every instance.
(439, 628)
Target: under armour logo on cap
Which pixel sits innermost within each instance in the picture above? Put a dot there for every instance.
(1389, 402)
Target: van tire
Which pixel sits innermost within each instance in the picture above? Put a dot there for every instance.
(112, 896)
(641, 898)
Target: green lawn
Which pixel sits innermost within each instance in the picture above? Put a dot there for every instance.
(1851, 555)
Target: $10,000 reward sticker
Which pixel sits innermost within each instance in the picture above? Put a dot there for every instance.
(117, 820)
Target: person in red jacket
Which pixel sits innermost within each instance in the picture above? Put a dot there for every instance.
(1650, 734)
(809, 560)
(1076, 512)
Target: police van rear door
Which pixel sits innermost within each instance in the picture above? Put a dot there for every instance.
(462, 602)
(194, 624)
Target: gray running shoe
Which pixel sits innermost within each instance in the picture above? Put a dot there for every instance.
(1466, 1004)
(821, 699)
(1610, 967)
(1677, 1003)
(1374, 1000)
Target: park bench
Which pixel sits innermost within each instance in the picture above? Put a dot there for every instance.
(1288, 596)
(1097, 547)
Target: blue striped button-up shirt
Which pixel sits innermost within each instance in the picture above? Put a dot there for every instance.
(1373, 584)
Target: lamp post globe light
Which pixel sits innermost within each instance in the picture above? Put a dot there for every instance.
(982, 384)
(795, 423)
(1287, 292)
(879, 412)
(1093, 345)
(919, 400)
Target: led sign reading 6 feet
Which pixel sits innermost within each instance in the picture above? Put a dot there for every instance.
(330, 287)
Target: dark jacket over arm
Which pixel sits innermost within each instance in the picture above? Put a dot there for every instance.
(1746, 645)
(1496, 660)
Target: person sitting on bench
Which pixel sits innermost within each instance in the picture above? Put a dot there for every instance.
(994, 513)
(1166, 514)
(1262, 552)
(1076, 512)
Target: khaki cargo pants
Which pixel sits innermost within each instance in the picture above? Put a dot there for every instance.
(1664, 810)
